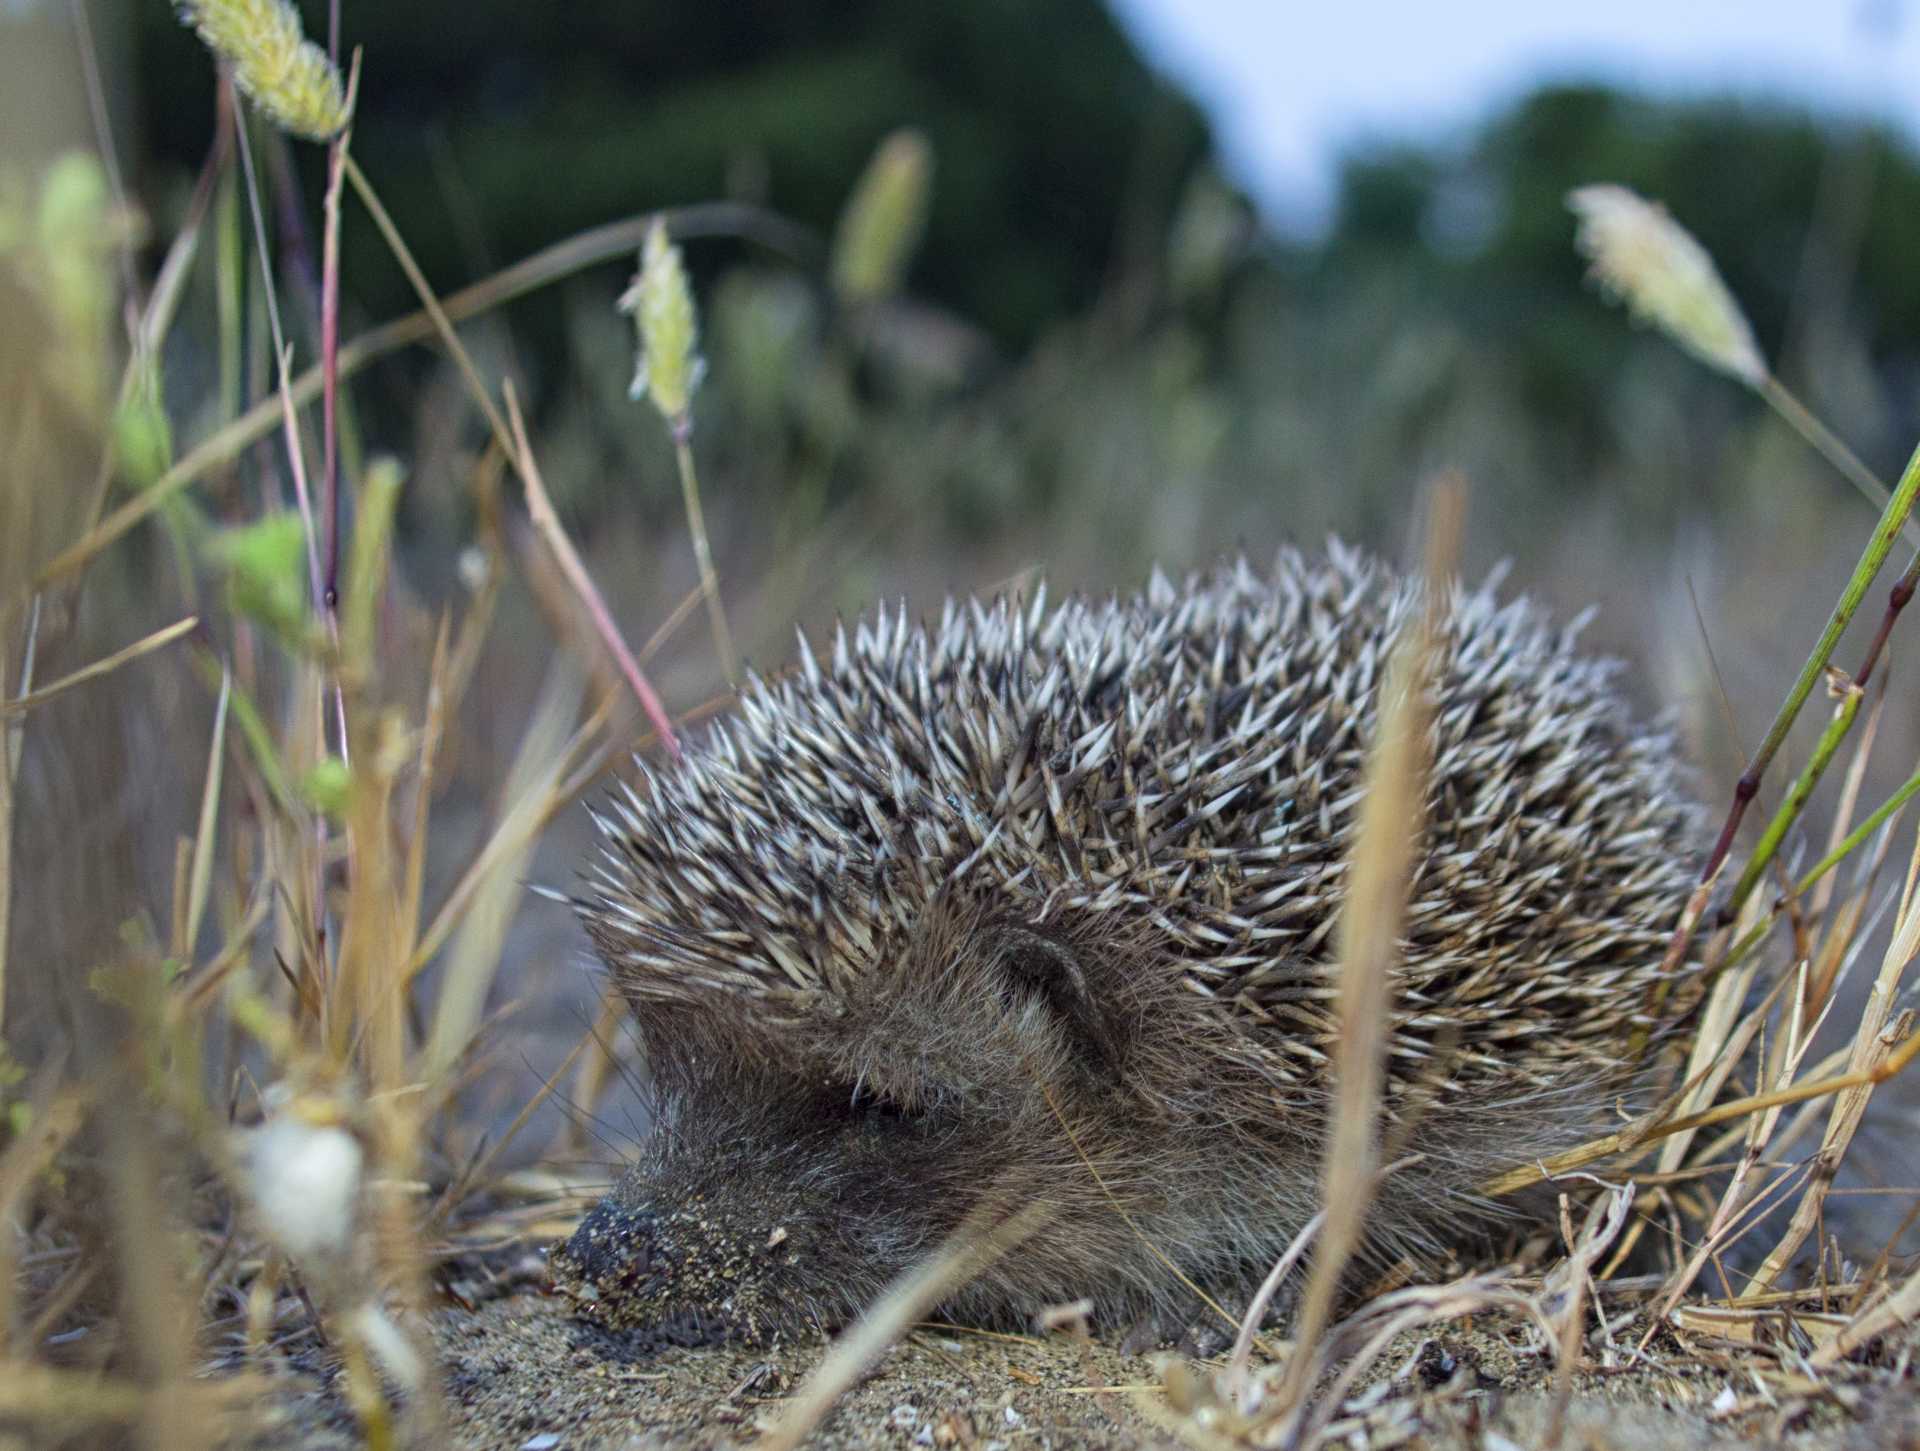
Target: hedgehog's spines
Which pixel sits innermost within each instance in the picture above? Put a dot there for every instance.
(1166, 786)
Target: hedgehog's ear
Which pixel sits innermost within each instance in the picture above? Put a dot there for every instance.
(1038, 964)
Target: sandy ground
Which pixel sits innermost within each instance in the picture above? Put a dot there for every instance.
(522, 1373)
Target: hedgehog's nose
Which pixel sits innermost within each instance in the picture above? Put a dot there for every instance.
(612, 1249)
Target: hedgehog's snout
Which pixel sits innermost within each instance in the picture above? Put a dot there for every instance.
(612, 1255)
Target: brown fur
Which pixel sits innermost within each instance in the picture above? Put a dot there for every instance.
(1037, 906)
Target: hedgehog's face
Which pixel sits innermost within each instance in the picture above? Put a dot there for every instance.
(784, 1188)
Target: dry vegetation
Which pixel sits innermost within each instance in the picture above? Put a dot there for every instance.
(241, 1155)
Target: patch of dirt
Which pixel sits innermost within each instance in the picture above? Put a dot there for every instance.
(522, 1374)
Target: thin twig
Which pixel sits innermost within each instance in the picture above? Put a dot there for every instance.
(330, 331)
(143, 646)
(1864, 573)
(702, 552)
(1825, 442)
(1897, 599)
(283, 356)
(540, 508)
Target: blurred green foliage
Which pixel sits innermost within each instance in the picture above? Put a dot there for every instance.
(1225, 385)
(495, 128)
(1095, 347)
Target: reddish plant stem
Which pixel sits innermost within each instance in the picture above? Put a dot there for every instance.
(330, 372)
(1897, 599)
(547, 522)
(1872, 560)
(330, 337)
(1749, 784)
(1744, 790)
(330, 325)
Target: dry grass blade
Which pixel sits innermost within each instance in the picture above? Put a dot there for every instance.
(442, 324)
(415, 871)
(1732, 1215)
(1263, 1297)
(515, 829)
(370, 997)
(1723, 1033)
(1849, 803)
(159, 639)
(161, 1320)
(1572, 1283)
(1654, 1127)
(703, 558)
(200, 875)
(476, 1172)
(1390, 827)
(1900, 1308)
(979, 1240)
(283, 359)
(1871, 1055)
(532, 784)
(197, 987)
(9, 735)
(369, 1002)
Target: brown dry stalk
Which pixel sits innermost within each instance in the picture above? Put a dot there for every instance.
(1391, 822)
(1849, 804)
(514, 828)
(1720, 1037)
(370, 999)
(476, 1172)
(414, 873)
(1650, 1128)
(1572, 1283)
(330, 342)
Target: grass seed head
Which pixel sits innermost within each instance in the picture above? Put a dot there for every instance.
(282, 72)
(1645, 259)
(669, 367)
(883, 219)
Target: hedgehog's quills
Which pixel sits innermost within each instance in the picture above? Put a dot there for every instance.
(1038, 904)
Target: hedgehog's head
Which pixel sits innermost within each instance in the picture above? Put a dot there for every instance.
(808, 1150)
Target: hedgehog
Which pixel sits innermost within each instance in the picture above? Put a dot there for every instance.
(1036, 905)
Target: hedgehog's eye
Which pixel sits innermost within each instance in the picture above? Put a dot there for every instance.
(860, 1103)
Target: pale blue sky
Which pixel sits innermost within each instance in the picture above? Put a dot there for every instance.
(1289, 81)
